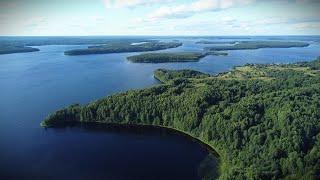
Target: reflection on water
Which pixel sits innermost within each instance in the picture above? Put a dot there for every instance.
(130, 152)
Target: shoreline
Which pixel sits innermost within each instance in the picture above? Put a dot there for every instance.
(209, 148)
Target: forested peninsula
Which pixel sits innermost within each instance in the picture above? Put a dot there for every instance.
(215, 42)
(10, 49)
(124, 47)
(172, 57)
(263, 120)
(166, 57)
(243, 45)
(21, 44)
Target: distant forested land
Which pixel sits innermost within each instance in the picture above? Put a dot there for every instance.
(68, 40)
(234, 37)
(124, 47)
(172, 57)
(166, 57)
(263, 120)
(242, 45)
(216, 42)
(216, 53)
(9, 49)
(103, 44)
(21, 44)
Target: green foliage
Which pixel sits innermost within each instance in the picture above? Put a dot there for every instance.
(21, 44)
(165, 75)
(216, 53)
(172, 57)
(166, 57)
(216, 42)
(264, 125)
(258, 44)
(119, 47)
(67, 40)
(9, 49)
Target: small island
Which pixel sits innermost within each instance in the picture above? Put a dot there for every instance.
(243, 45)
(166, 57)
(215, 42)
(216, 53)
(121, 47)
(9, 49)
(262, 120)
(172, 57)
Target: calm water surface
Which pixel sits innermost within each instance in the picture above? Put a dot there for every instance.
(32, 85)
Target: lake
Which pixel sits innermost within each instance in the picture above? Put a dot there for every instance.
(32, 85)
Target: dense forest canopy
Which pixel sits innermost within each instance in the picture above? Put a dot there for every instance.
(216, 53)
(241, 45)
(104, 45)
(173, 57)
(164, 75)
(9, 45)
(166, 57)
(120, 47)
(10, 48)
(215, 42)
(67, 40)
(263, 120)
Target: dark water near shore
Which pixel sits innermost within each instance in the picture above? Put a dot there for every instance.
(34, 84)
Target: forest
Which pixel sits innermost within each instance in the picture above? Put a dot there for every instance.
(262, 120)
(216, 53)
(9, 49)
(105, 45)
(21, 44)
(215, 42)
(119, 47)
(166, 57)
(67, 40)
(173, 57)
(242, 45)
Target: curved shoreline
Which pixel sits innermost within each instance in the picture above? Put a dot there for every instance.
(208, 147)
(203, 144)
(15, 50)
(232, 123)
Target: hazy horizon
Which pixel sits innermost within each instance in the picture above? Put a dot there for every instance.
(159, 18)
(297, 35)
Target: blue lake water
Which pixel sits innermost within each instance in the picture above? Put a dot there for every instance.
(32, 85)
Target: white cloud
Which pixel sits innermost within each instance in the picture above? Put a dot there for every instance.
(185, 10)
(130, 3)
(307, 26)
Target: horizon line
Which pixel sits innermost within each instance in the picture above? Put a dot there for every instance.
(156, 35)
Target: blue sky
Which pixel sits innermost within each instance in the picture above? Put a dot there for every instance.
(159, 17)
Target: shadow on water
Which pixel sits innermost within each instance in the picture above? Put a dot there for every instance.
(206, 169)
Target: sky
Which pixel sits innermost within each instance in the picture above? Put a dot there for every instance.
(159, 17)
